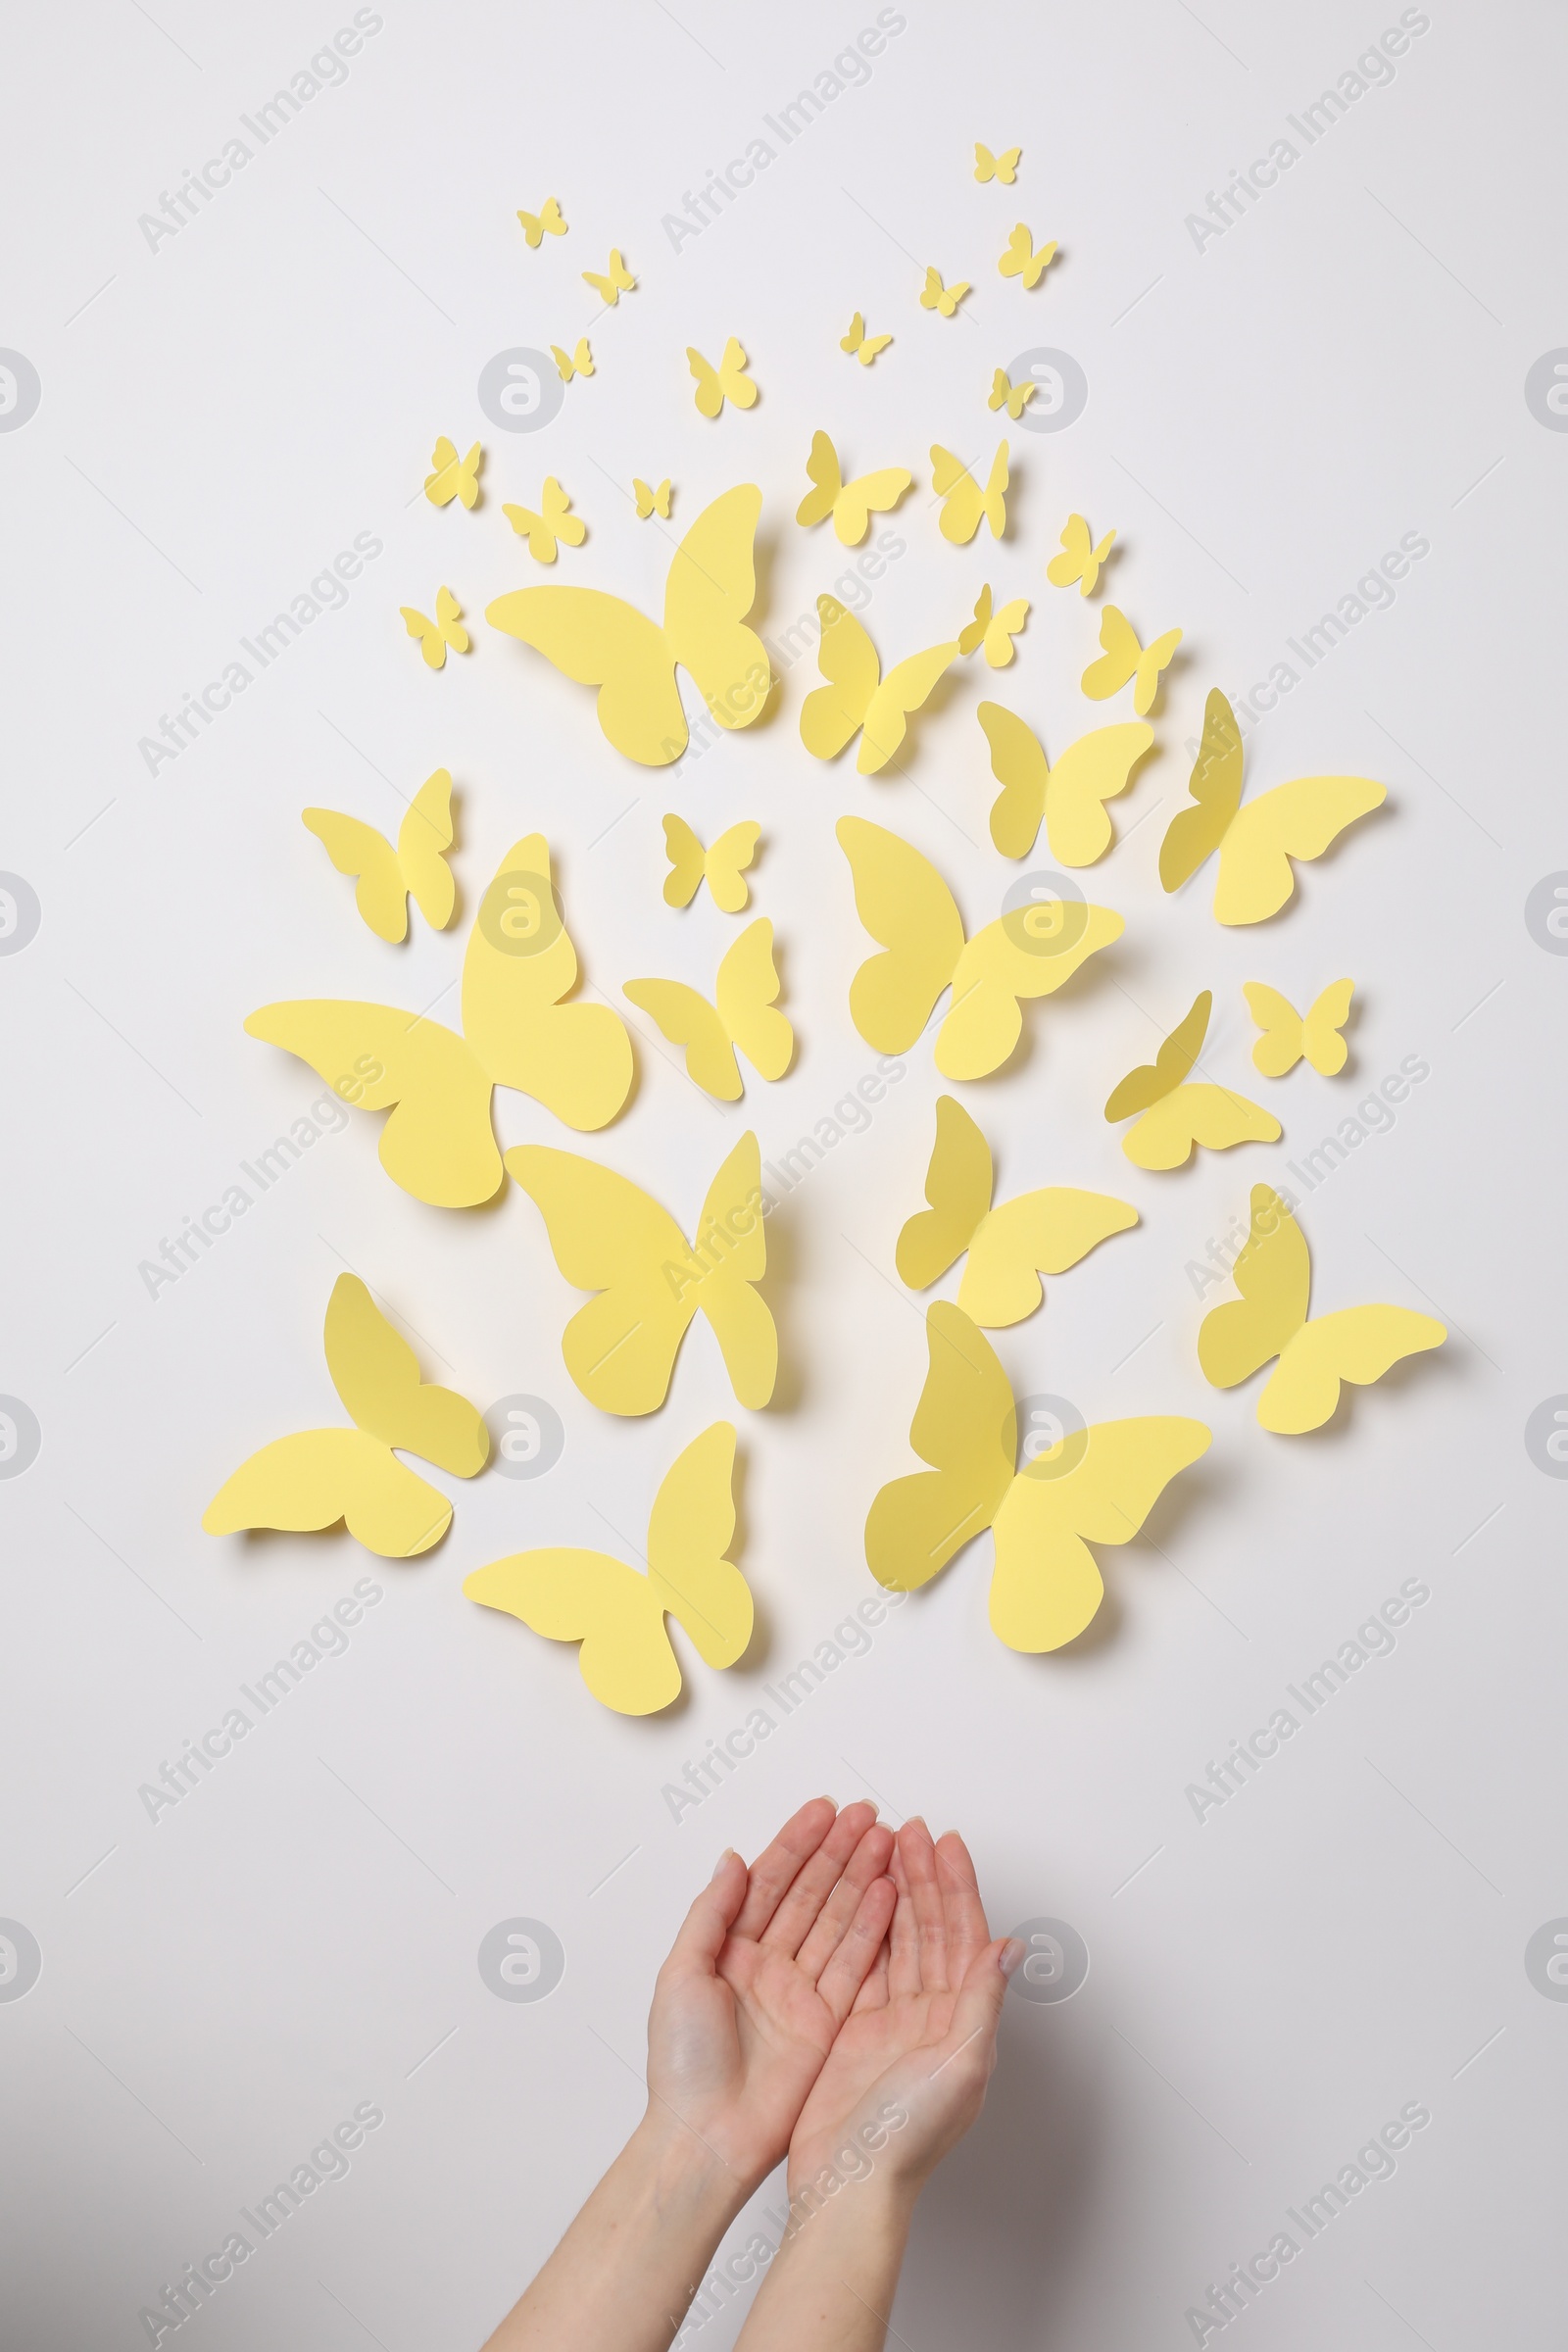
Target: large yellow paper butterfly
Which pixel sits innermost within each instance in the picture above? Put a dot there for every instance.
(1176, 1116)
(570, 363)
(861, 346)
(519, 963)
(993, 630)
(1273, 1271)
(320, 1476)
(745, 1015)
(617, 282)
(651, 501)
(454, 476)
(1009, 1248)
(1094, 1486)
(858, 696)
(556, 522)
(1005, 393)
(935, 296)
(627, 1659)
(1071, 797)
(1025, 259)
(599, 641)
(546, 223)
(1003, 167)
(384, 875)
(436, 635)
(909, 911)
(1289, 1034)
(723, 867)
(965, 504)
(1255, 843)
(727, 381)
(1080, 558)
(1125, 658)
(851, 504)
(608, 1236)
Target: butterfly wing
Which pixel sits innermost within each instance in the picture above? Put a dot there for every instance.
(747, 993)
(823, 464)
(1039, 1233)
(360, 850)
(617, 1617)
(535, 529)
(1002, 629)
(931, 292)
(996, 973)
(973, 631)
(1091, 771)
(709, 393)
(601, 641)
(1294, 820)
(686, 863)
(957, 1186)
(738, 386)
(432, 642)
(1215, 787)
(1326, 1048)
(1018, 763)
(310, 1481)
(644, 495)
(518, 964)
(449, 618)
(994, 500)
(441, 486)
(856, 338)
(954, 483)
(1071, 563)
(726, 866)
(1284, 1038)
(985, 164)
(1359, 1344)
(423, 838)
(1273, 1272)
(909, 909)
(731, 1233)
(569, 527)
(867, 495)
(1117, 663)
(376, 1374)
(1016, 259)
(846, 659)
(902, 691)
(689, 1531)
(871, 346)
(687, 1019)
(967, 1428)
(1153, 663)
(711, 584)
(1211, 1116)
(1170, 1065)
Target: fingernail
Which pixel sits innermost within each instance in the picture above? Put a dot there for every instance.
(725, 1858)
(1010, 1955)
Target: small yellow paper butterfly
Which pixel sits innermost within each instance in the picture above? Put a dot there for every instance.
(995, 632)
(608, 1236)
(1005, 393)
(1175, 1115)
(384, 875)
(1125, 658)
(1003, 166)
(617, 282)
(857, 695)
(436, 635)
(1258, 842)
(1289, 1034)
(1273, 1271)
(454, 476)
(746, 1016)
(618, 1614)
(966, 504)
(1081, 557)
(321, 1476)
(723, 867)
(580, 363)
(909, 912)
(851, 504)
(727, 381)
(1024, 258)
(546, 223)
(935, 296)
(1092, 1486)
(861, 346)
(556, 521)
(650, 501)
(1009, 1248)
(1071, 797)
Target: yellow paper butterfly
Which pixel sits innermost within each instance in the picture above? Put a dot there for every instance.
(454, 476)
(1125, 658)
(1258, 842)
(1093, 1486)
(851, 504)
(320, 1476)
(1005, 393)
(1003, 167)
(1081, 557)
(935, 296)
(723, 867)
(627, 1659)
(1009, 1248)
(858, 696)
(436, 635)
(556, 521)
(1071, 797)
(727, 381)
(1289, 1034)
(599, 641)
(618, 279)
(1176, 1116)
(966, 503)
(1026, 260)
(651, 501)
(608, 1236)
(384, 875)
(518, 964)
(745, 1015)
(995, 631)
(1273, 1271)
(578, 363)
(546, 223)
(861, 346)
(909, 912)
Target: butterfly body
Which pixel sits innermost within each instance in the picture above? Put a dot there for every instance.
(556, 520)
(1024, 258)
(966, 506)
(434, 636)
(727, 381)
(1003, 167)
(1070, 797)
(861, 346)
(1125, 661)
(723, 867)
(993, 629)
(1175, 1115)
(744, 1016)
(857, 697)
(1289, 1035)
(850, 504)
(651, 501)
(454, 476)
(546, 223)
(1081, 558)
(944, 300)
(617, 280)
(387, 876)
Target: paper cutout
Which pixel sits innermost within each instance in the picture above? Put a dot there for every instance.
(966, 504)
(516, 1032)
(436, 635)
(384, 875)
(608, 1236)
(935, 296)
(1124, 659)
(1255, 843)
(1175, 1115)
(1081, 558)
(851, 504)
(651, 501)
(314, 1479)
(1003, 166)
(454, 476)
(1287, 1035)
(727, 381)
(556, 521)
(618, 1614)
(1009, 1248)
(858, 696)
(1273, 1272)
(617, 282)
(723, 867)
(578, 363)
(861, 346)
(599, 641)
(745, 1016)
(546, 223)
(1094, 1486)
(1070, 797)
(1005, 393)
(1024, 258)
(995, 631)
(909, 912)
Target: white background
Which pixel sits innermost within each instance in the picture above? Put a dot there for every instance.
(1266, 418)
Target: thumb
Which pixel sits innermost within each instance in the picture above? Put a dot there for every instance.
(978, 2009)
(712, 1916)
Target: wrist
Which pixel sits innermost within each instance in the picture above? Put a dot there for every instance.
(683, 2169)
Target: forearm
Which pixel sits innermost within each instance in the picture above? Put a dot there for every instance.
(831, 2284)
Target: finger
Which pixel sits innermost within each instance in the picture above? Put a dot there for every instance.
(846, 1972)
(967, 1930)
(926, 1892)
(904, 1940)
(776, 1867)
(873, 1994)
(868, 1862)
(798, 1910)
(710, 1919)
